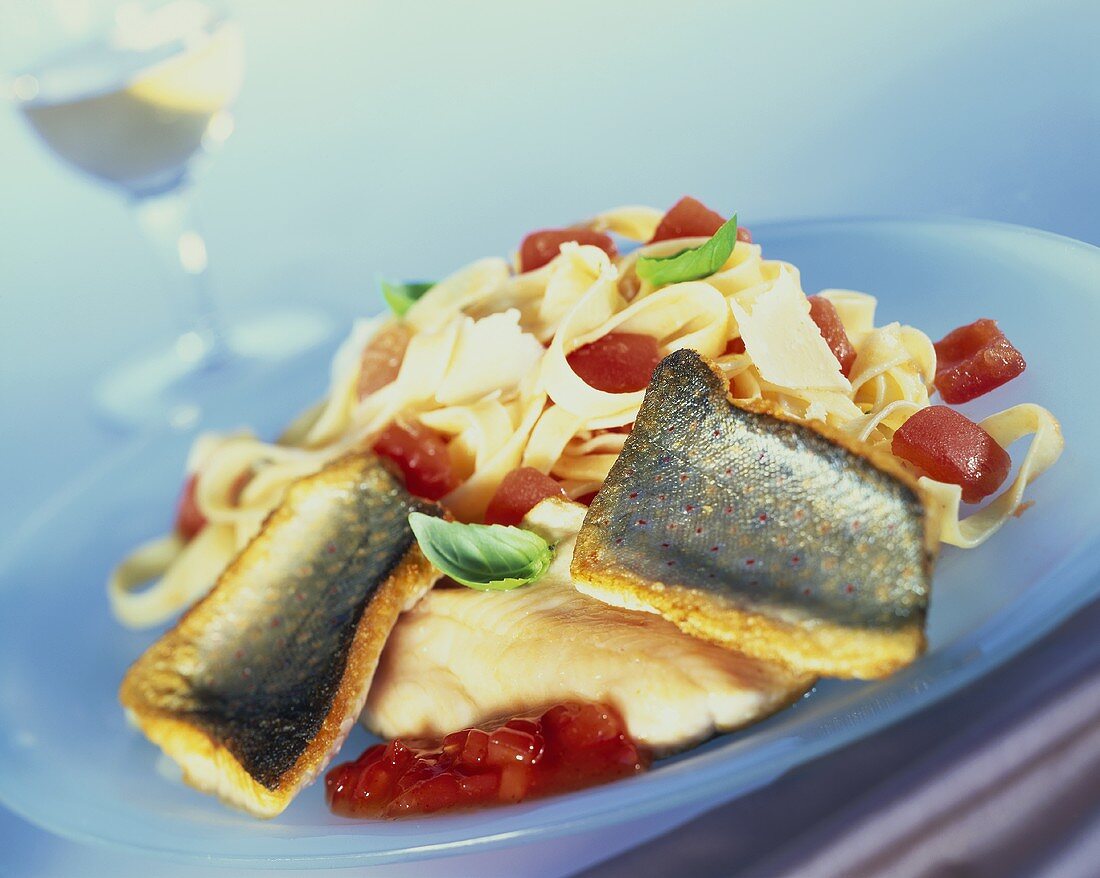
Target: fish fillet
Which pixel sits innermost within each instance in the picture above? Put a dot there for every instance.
(259, 683)
(779, 539)
(461, 657)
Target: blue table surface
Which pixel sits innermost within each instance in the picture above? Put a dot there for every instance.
(406, 139)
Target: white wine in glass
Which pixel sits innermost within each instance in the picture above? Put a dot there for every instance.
(133, 103)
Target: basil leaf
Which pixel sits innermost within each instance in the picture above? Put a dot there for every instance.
(701, 261)
(400, 296)
(485, 557)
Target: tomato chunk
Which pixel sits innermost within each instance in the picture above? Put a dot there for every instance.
(519, 492)
(949, 447)
(975, 359)
(570, 746)
(688, 218)
(189, 520)
(381, 359)
(538, 248)
(824, 314)
(619, 362)
(422, 457)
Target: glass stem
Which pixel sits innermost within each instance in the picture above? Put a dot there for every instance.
(167, 222)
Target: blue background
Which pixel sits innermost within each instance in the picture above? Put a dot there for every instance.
(407, 138)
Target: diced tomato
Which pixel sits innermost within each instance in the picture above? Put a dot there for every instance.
(189, 520)
(519, 492)
(538, 248)
(381, 359)
(949, 447)
(688, 218)
(824, 314)
(421, 456)
(975, 359)
(619, 362)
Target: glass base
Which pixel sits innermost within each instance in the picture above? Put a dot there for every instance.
(170, 385)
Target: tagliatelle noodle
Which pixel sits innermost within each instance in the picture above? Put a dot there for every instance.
(1005, 427)
(691, 314)
(335, 412)
(475, 372)
(635, 222)
(588, 458)
(746, 269)
(893, 362)
(551, 434)
(570, 276)
(856, 312)
(469, 500)
(479, 432)
(869, 427)
(586, 468)
(181, 574)
(452, 295)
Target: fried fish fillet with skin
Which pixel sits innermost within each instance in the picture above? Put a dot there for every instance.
(256, 687)
(461, 658)
(784, 540)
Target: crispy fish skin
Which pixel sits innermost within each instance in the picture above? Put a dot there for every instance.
(784, 540)
(463, 658)
(259, 683)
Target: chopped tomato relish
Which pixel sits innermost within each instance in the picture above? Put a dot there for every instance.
(824, 314)
(949, 447)
(381, 359)
(189, 520)
(422, 457)
(538, 248)
(519, 492)
(619, 362)
(975, 359)
(568, 747)
(690, 218)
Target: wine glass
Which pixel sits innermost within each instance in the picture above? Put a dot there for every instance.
(132, 94)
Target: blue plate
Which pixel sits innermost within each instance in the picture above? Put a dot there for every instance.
(69, 763)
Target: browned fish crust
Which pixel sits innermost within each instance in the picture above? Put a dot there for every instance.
(788, 541)
(259, 683)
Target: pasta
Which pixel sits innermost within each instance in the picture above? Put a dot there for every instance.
(486, 365)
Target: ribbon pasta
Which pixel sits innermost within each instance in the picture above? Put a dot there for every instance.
(486, 365)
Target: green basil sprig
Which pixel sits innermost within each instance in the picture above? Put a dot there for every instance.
(400, 296)
(485, 557)
(692, 264)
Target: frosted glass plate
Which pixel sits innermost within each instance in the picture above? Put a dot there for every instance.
(69, 763)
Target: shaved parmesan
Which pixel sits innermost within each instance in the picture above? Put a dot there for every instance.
(491, 354)
(783, 342)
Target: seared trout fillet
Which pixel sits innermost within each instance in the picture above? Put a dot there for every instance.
(258, 684)
(785, 541)
(461, 657)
